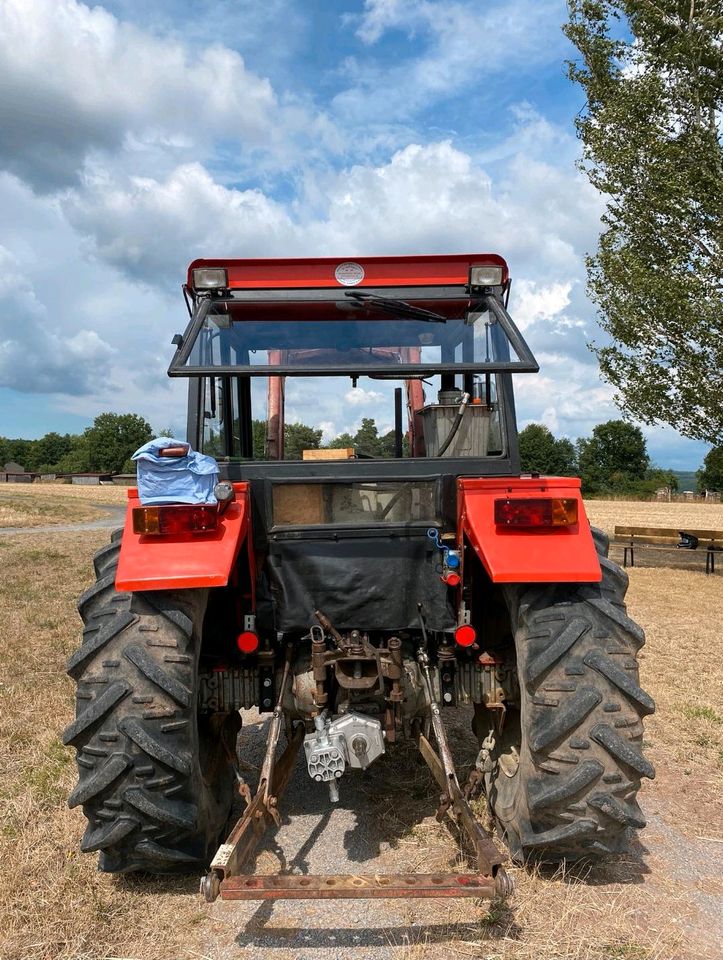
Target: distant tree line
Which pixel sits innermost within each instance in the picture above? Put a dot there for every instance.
(613, 460)
(367, 441)
(104, 447)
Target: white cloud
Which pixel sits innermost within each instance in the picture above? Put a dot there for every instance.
(535, 302)
(425, 198)
(152, 229)
(358, 396)
(455, 44)
(77, 80)
(33, 356)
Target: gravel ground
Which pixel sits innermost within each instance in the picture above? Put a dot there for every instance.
(360, 834)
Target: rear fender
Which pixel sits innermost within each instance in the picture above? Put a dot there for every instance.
(188, 560)
(540, 555)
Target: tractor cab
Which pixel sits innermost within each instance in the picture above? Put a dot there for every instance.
(436, 327)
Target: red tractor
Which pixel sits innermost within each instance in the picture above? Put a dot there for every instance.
(354, 598)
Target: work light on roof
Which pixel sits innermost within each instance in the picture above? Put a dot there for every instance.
(486, 275)
(209, 278)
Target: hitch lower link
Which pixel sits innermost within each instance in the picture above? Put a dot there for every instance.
(225, 878)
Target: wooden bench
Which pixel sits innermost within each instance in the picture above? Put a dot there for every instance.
(668, 538)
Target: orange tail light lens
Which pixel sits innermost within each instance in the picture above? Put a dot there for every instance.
(177, 518)
(536, 512)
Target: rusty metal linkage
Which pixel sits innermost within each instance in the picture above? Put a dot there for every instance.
(224, 878)
(344, 887)
(489, 859)
(243, 839)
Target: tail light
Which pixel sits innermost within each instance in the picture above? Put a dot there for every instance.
(247, 642)
(465, 635)
(177, 518)
(451, 579)
(536, 512)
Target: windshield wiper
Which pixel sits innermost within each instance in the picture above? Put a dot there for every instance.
(399, 307)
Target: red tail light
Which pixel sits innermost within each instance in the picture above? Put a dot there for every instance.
(536, 512)
(247, 642)
(176, 518)
(465, 635)
(451, 579)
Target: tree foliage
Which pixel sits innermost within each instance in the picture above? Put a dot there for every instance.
(651, 133)
(299, 437)
(112, 439)
(613, 457)
(541, 452)
(710, 477)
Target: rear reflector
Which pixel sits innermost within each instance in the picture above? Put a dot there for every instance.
(536, 512)
(465, 635)
(247, 642)
(178, 518)
(451, 579)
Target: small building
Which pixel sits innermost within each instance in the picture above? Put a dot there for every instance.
(86, 479)
(15, 473)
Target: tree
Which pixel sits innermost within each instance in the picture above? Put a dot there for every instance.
(651, 135)
(343, 441)
(112, 439)
(49, 450)
(540, 452)
(367, 440)
(710, 477)
(613, 458)
(299, 437)
(258, 432)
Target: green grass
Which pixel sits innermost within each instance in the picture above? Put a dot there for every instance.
(703, 713)
(44, 779)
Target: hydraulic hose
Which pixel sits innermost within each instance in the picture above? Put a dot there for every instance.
(455, 426)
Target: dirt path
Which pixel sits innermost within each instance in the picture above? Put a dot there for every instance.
(663, 900)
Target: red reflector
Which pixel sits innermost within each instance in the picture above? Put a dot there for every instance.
(452, 579)
(465, 635)
(176, 518)
(247, 642)
(536, 512)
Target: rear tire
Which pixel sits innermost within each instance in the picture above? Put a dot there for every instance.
(566, 774)
(155, 783)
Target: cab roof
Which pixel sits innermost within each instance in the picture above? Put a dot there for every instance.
(339, 272)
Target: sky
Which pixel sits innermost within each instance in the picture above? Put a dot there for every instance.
(135, 137)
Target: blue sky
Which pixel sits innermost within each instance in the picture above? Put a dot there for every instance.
(135, 137)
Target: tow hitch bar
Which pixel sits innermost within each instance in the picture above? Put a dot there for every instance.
(226, 879)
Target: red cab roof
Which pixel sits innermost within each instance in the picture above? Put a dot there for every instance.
(340, 272)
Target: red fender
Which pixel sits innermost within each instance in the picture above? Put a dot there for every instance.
(538, 555)
(187, 560)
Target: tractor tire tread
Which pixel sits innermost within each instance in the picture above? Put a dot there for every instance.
(581, 759)
(149, 802)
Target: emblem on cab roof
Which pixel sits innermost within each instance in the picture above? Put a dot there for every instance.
(349, 274)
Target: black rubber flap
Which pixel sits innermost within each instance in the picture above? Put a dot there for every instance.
(360, 583)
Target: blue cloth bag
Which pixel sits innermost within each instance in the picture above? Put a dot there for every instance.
(188, 479)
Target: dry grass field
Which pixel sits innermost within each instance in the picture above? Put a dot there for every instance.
(609, 513)
(35, 505)
(662, 901)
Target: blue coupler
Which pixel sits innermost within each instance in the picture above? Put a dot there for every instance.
(187, 479)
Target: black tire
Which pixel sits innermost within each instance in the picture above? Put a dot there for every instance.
(155, 783)
(578, 735)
